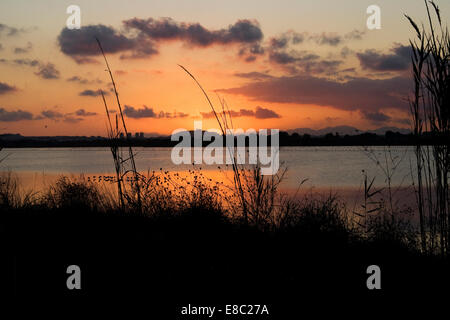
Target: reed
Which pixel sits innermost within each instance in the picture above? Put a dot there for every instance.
(255, 193)
(120, 162)
(430, 110)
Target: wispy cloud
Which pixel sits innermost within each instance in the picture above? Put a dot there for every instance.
(44, 70)
(11, 31)
(26, 49)
(48, 71)
(146, 112)
(259, 113)
(15, 115)
(81, 80)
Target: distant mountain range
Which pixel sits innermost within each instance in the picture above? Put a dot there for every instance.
(346, 130)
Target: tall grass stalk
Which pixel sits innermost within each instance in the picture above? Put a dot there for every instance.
(255, 192)
(119, 160)
(430, 110)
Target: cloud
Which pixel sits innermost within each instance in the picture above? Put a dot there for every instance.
(50, 114)
(398, 60)
(303, 61)
(81, 80)
(1, 47)
(48, 71)
(194, 34)
(27, 62)
(84, 113)
(5, 88)
(78, 43)
(92, 93)
(20, 50)
(376, 117)
(355, 94)
(141, 37)
(283, 40)
(355, 35)
(146, 112)
(71, 117)
(10, 31)
(263, 113)
(332, 39)
(259, 113)
(17, 115)
(45, 70)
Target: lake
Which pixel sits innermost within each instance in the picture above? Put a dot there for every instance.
(324, 167)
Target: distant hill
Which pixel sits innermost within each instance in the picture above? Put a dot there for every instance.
(346, 130)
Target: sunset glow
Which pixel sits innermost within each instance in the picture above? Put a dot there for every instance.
(287, 67)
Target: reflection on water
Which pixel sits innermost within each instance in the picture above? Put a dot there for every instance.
(324, 167)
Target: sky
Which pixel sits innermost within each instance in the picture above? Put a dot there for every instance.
(277, 64)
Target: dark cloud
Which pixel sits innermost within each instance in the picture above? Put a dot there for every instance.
(285, 39)
(251, 52)
(50, 114)
(72, 117)
(253, 75)
(332, 39)
(17, 115)
(27, 62)
(48, 71)
(243, 31)
(263, 113)
(146, 112)
(259, 113)
(5, 88)
(335, 39)
(398, 60)
(20, 50)
(303, 62)
(283, 57)
(81, 42)
(376, 117)
(143, 35)
(355, 94)
(84, 113)
(92, 93)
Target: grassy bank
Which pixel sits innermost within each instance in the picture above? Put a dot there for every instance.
(194, 244)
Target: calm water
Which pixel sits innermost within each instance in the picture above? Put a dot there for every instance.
(324, 167)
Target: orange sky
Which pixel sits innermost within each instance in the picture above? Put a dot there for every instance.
(38, 99)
